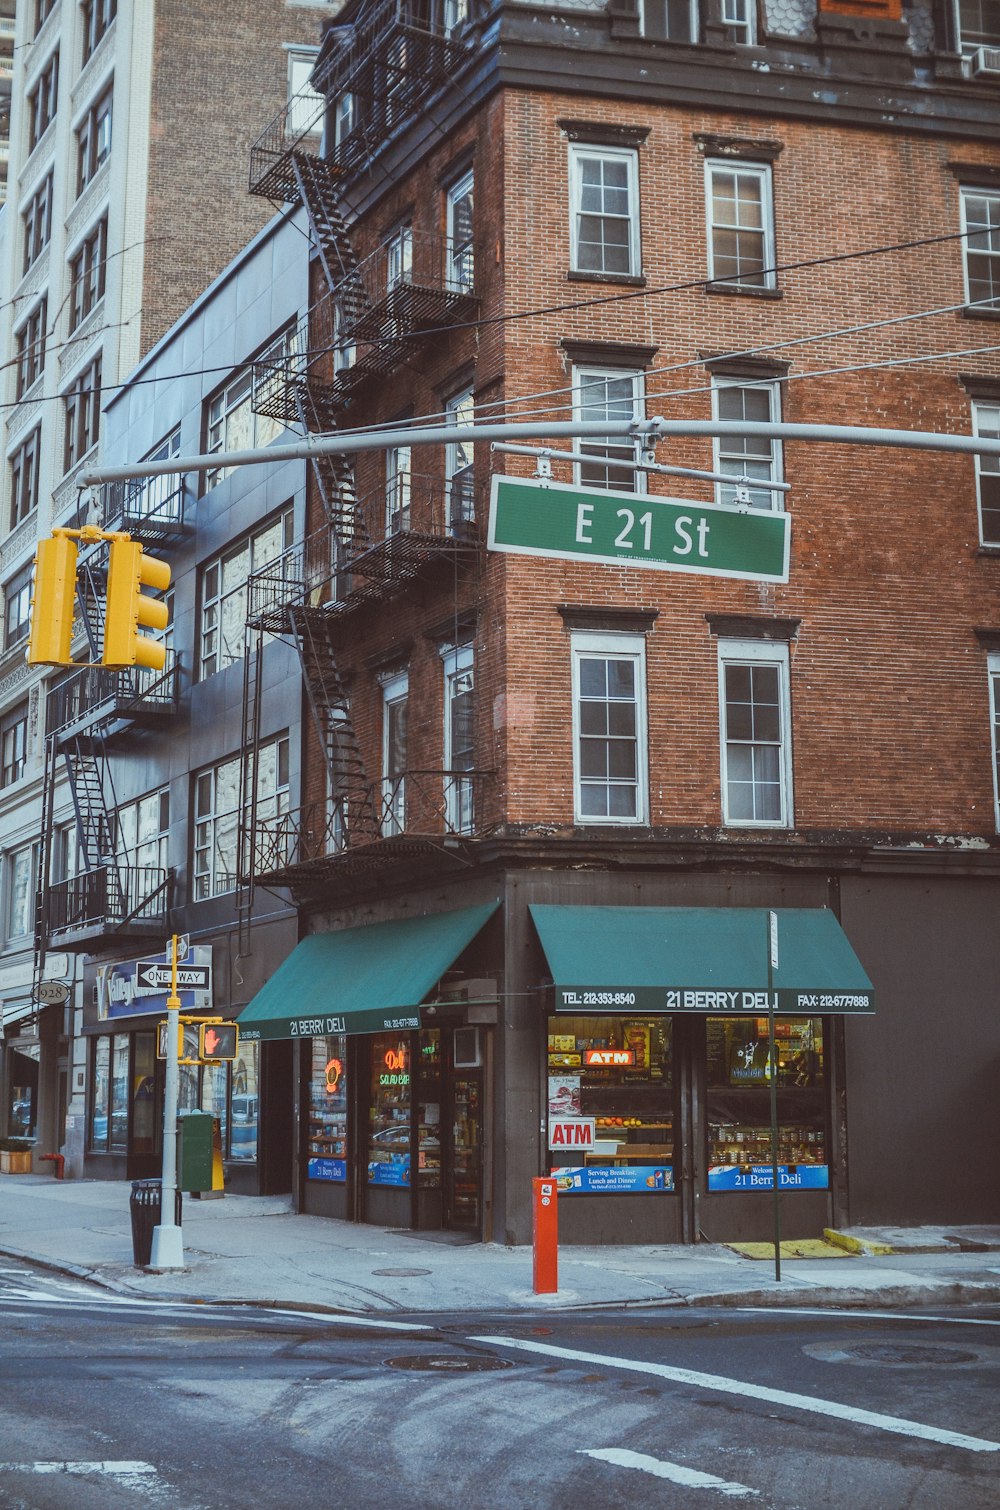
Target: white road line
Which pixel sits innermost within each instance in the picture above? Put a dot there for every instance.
(675, 1472)
(121, 1469)
(864, 1315)
(809, 1403)
(186, 1308)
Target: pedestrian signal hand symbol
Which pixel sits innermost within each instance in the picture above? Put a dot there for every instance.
(219, 1040)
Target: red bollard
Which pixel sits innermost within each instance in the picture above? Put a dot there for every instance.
(545, 1236)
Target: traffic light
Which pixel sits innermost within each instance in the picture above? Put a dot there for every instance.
(218, 1040)
(129, 609)
(188, 1040)
(52, 602)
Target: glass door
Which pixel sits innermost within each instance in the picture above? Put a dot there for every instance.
(464, 1173)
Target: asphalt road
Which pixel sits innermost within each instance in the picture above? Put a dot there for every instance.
(110, 1402)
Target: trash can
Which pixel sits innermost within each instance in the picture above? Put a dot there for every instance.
(144, 1209)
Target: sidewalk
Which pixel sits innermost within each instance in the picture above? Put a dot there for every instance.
(256, 1249)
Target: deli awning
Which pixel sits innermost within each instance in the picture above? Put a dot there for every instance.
(699, 959)
(361, 980)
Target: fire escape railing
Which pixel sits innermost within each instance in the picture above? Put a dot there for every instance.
(96, 692)
(148, 508)
(110, 898)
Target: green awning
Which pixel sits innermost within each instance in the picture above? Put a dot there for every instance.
(699, 959)
(361, 980)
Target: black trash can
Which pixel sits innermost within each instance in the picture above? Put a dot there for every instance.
(144, 1209)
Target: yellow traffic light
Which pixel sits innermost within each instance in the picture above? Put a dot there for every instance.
(52, 602)
(129, 609)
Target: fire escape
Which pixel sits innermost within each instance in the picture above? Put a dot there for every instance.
(90, 891)
(373, 316)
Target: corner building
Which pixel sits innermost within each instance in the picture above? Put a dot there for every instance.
(548, 802)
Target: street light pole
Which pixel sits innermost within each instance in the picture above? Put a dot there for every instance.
(168, 1241)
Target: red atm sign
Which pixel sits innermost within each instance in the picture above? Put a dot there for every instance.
(572, 1132)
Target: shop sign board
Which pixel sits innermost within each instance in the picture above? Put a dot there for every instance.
(534, 518)
(121, 994)
(572, 1132)
(637, 1179)
(50, 993)
(761, 1177)
(716, 1000)
(334, 1170)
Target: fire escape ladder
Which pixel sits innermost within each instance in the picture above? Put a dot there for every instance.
(330, 706)
(43, 877)
(90, 594)
(96, 821)
(333, 240)
(334, 479)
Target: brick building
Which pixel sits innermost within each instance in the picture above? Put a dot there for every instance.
(124, 142)
(549, 803)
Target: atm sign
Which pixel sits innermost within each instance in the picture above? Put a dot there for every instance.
(572, 1132)
(608, 1056)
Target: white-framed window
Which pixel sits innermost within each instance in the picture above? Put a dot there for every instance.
(608, 393)
(24, 477)
(399, 256)
(986, 423)
(740, 223)
(345, 117)
(977, 24)
(22, 866)
(610, 781)
(305, 112)
(669, 20)
(454, 14)
(751, 455)
(97, 17)
(459, 683)
(993, 674)
(604, 210)
(458, 470)
(93, 140)
(755, 734)
(13, 744)
(217, 814)
(143, 827)
(739, 17)
(459, 207)
(231, 423)
(397, 489)
(395, 696)
(981, 230)
(17, 606)
(224, 592)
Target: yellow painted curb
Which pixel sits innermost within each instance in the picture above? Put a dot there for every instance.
(806, 1247)
(854, 1244)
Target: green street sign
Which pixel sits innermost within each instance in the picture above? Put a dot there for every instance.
(534, 518)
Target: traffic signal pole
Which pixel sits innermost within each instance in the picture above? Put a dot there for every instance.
(168, 1241)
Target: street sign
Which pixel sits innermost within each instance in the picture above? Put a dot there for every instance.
(666, 534)
(50, 993)
(150, 975)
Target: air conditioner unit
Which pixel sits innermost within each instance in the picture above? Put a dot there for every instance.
(467, 1052)
(986, 61)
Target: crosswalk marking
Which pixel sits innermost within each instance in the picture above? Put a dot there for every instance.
(676, 1473)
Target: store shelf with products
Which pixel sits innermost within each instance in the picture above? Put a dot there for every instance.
(797, 1144)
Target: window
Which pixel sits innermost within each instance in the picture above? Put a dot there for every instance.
(83, 415)
(305, 105)
(740, 230)
(42, 102)
(738, 1102)
(986, 423)
(454, 15)
(244, 1105)
(326, 1147)
(604, 210)
(43, 9)
(978, 25)
(230, 421)
(739, 17)
(395, 692)
(143, 827)
(13, 744)
(993, 671)
(669, 20)
(37, 219)
(24, 478)
(217, 814)
(399, 257)
(345, 117)
(458, 470)
(981, 228)
(751, 455)
(608, 394)
(29, 344)
(756, 745)
(17, 607)
(87, 274)
(609, 728)
(109, 1099)
(93, 140)
(397, 490)
(459, 682)
(21, 867)
(97, 17)
(460, 272)
(224, 592)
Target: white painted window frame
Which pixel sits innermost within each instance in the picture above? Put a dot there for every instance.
(993, 675)
(589, 644)
(758, 653)
(619, 478)
(762, 173)
(580, 152)
(457, 661)
(725, 459)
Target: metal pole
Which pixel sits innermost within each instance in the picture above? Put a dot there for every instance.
(772, 965)
(630, 462)
(438, 435)
(168, 1239)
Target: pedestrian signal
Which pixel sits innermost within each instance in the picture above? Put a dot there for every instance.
(52, 602)
(219, 1040)
(128, 609)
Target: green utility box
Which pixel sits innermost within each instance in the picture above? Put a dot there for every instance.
(194, 1150)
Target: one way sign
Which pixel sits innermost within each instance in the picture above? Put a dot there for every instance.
(150, 975)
